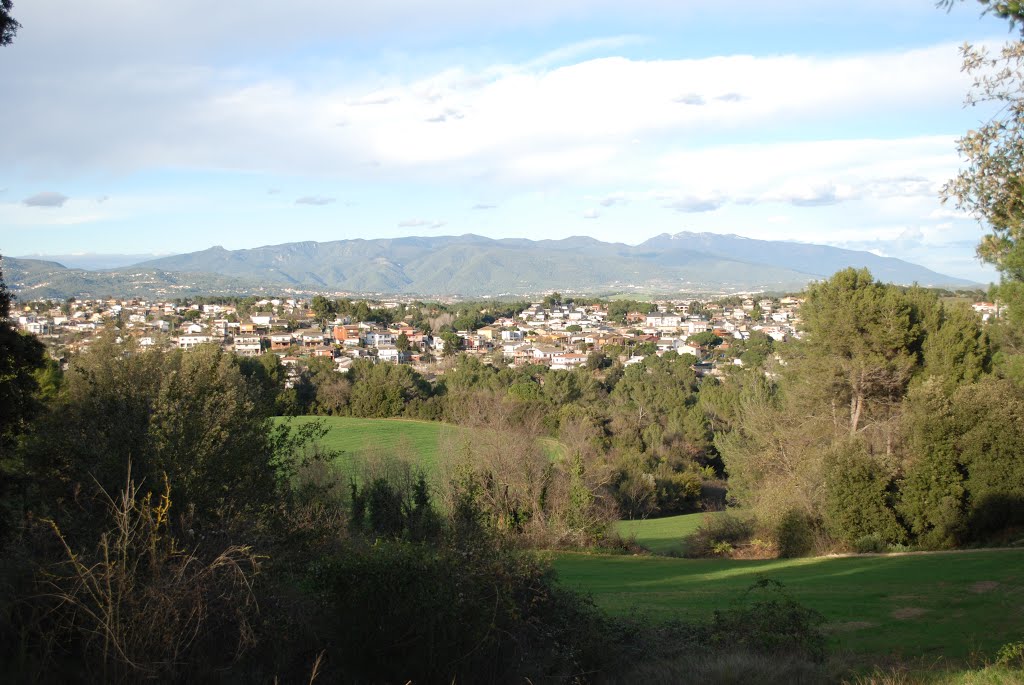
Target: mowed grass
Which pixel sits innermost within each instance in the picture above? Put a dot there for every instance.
(417, 442)
(662, 535)
(931, 607)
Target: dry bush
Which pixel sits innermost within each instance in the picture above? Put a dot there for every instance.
(139, 606)
(500, 461)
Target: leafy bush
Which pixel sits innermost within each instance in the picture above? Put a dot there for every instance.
(767, 620)
(859, 498)
(717, 532)
(1011, 654)
(399, 612)
(870, 544)
(794, 534)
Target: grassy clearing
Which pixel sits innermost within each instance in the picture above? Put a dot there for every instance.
(418, 442)
(662, 535)
(928, 608)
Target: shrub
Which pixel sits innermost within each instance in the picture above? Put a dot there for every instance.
(140, 606)
(858, 499)
(398, 611)
(1011, 654)
(768, 621)
(794, 534)
(719, 531)
(869, 544)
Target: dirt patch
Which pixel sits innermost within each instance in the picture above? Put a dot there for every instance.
(908, 612)
(848, 626)
(983, 586)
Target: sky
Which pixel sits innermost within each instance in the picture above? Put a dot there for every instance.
(154, 127)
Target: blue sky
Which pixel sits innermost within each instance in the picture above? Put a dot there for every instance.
(154, 127)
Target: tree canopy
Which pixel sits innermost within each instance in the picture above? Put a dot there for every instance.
(1011, 10)
(8, 25)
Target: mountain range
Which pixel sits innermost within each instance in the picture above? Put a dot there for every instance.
(473, 266)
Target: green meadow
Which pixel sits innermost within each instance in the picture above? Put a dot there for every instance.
(419, 443)
(662, 535)
(928, 607)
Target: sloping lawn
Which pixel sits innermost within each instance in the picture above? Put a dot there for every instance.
(918, 606)
(662, 535)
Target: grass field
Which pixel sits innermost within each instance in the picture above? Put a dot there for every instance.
(663, 535)
(930, 607)
(418, 442)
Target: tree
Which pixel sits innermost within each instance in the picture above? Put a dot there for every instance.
(402, 342)
(705, 339)
(1011, 10)
(858, 503)
(323, 309)
(863, 339)
(190, 416)
(8, 25)
(991, 186)
(20, 356)
(21, 364)
(452, 343)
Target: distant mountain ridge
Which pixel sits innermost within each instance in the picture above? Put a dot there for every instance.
(475, 266)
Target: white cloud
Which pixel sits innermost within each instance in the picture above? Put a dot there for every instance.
(591, 214)
(316, 200)
(46, 199)
(518, 124)
(420, 223)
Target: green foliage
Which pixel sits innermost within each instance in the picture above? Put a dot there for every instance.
(618, 309)
(452, 343)
(863, 339)
(768, 620)
(1011, 654)
(389, 509)
(794, 534)
(399, 612)
(383, 390)
(677, 492)
(20, 357)
(990, 430)
(645, 349)
(581, 499)
(932, 493)
(8, 24)
(859, 500)
(323, 309)
(755, 350)
(705, 339)
(191, 416)
(716, 531)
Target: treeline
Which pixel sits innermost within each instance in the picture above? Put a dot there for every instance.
(428, 317)
(897, 420)
(642, 427)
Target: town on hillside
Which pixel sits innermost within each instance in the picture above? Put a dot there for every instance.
(549, 333)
